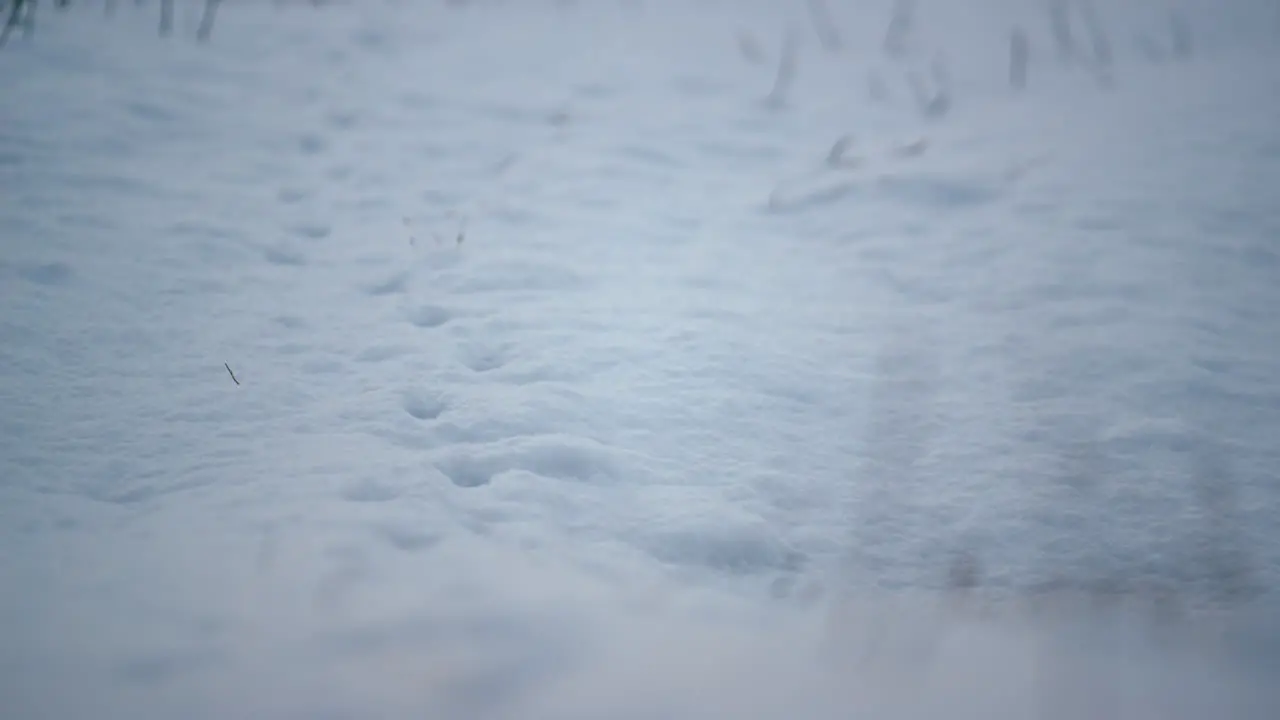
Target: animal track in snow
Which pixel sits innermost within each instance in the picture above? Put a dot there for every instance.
(292, 196)
(483, 358)
(369, 491)
(312, 144)
(312, 230)
(381, 353)
(407, 538)
(741, 550)
(55, 273)
(423, 406)
(282, 255)
(343, 120)
(561, 457)
(397, 283)
(430, 316)
(466, 472)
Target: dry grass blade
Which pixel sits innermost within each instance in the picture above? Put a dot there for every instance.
(786, 72)
(839, 154)
(750, 48)
(1019, 58)
(824, 26)
(166, 18)
(1181, 32)
(1060, 26)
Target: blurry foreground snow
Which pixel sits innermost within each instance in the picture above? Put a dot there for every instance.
(639, 360)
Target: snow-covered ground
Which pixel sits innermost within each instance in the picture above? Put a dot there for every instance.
(571, 380)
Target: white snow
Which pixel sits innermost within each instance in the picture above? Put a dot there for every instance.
(573, 380)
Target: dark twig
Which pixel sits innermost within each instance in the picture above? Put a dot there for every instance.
(1060, 24)
(15, 19)
(1098, 40)
(166, 17)
(233, 375)
(207, 20)
(895, 38)
(933, 102)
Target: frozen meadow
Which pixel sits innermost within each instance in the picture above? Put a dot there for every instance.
(641, 359)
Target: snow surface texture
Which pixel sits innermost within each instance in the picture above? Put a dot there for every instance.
(587, 366)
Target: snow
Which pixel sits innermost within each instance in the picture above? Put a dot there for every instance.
(575, 378)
